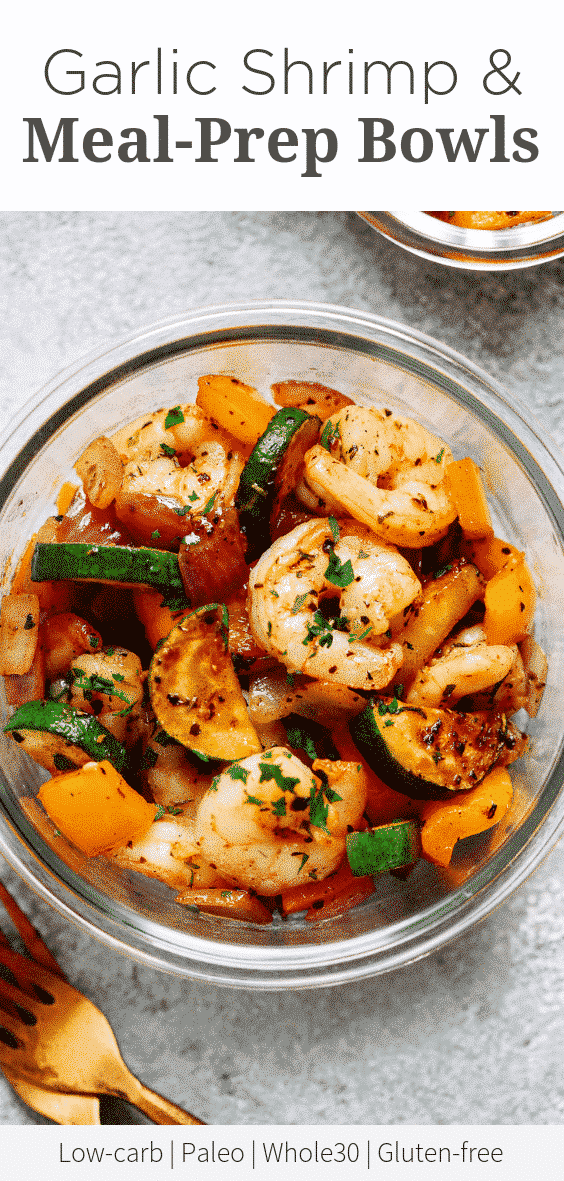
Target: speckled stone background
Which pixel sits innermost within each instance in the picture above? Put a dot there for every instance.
(474, 1033)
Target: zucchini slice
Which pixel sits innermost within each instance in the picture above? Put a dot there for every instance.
(389, 846)
(272, 470)
(428, 753)
(194, 691)
(61, 738)
(118, 565)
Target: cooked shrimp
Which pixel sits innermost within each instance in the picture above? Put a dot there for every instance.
(266, 822)
(168, 852)
(64, 637)
(191, 461)
(109, 684)
(301, 570)
(394, 480)
(273, 695)
(466, 665)
(172, 777)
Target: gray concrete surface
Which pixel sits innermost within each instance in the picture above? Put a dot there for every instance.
(474, 1033)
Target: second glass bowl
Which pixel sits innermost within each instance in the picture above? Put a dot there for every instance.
(484, 250)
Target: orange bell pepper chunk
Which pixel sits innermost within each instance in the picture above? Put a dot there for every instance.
(314, 896)
(468, 812)
(464, 483)
(510, 605)
(491, 554)
(95, 808)
(157, 620)
(237, 407)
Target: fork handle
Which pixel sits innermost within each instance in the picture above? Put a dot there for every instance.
(160, 1110)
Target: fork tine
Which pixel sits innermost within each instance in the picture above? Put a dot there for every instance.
(14, 998)
(14, 1025)
(34, 943)
(28, 973)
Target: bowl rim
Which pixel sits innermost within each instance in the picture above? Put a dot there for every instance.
(342, 960)
(518, 246)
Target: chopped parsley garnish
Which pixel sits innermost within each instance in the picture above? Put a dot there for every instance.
(149, 759)
(299, 739)
(305, 857)
(389, 722)
(388, 707)
(279, 807)
(298, 603)
(319, 629)
(118, 677)
(339, 573)
(174, 417)
(160, 812)
(228, 894)
(253, 800)
(443, 570)
(290, 678)
(214, 784)
(155, 535)
(93, 641)
(185, 508)
(318, 809)
(362, 554)
(334, 527)
(168, 450)
(209, 504)
(224, 625)
(332, 795)
(193, 496)
(440, 455)
(97, 684)
(236, 771)
(330, 434)
(363, 634)
(270, 771)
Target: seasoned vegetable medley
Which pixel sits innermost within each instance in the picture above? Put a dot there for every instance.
(266, 652)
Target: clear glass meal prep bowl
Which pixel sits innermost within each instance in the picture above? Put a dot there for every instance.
(476, 250)
(371, 359)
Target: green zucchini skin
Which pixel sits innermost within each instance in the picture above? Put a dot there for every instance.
(121, 564)
(271, 471)
(428, 753)
(378, 850)
(72, 726)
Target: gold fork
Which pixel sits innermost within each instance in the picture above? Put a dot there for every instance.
(63, 1109)
(52, 1037)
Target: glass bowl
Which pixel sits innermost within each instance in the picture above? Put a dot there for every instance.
(476, 250)
(369, 358)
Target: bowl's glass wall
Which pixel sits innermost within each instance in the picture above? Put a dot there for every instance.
(455, 246)
(374, 363)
